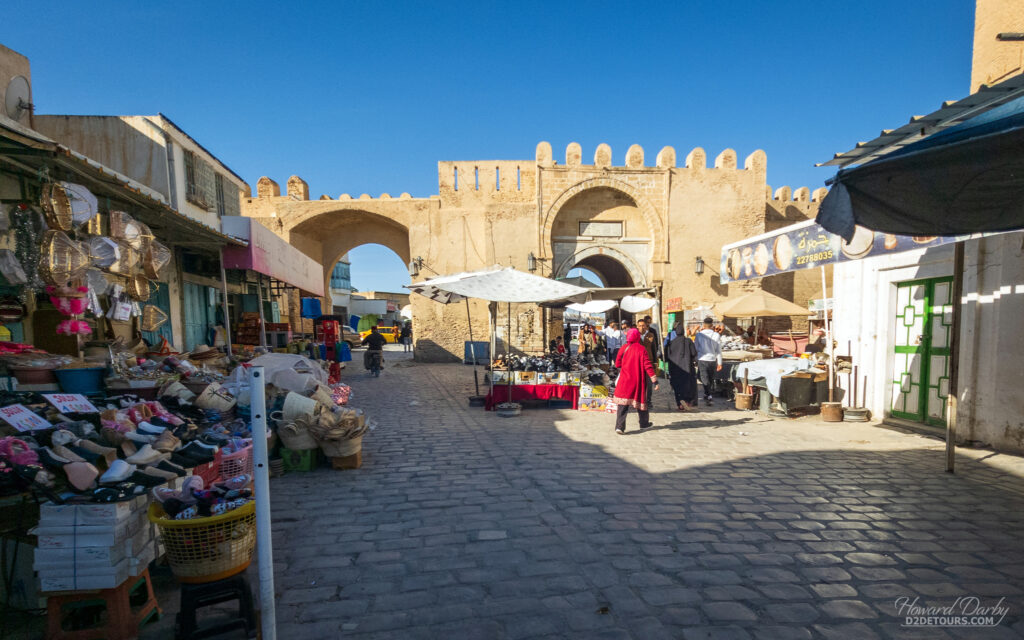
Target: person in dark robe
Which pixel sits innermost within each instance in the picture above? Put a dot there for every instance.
(681, 354)
(636, 374)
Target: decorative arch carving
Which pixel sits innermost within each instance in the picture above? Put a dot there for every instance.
(636, 272)
(647, 210)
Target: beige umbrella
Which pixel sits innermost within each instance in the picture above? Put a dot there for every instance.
(760, 303)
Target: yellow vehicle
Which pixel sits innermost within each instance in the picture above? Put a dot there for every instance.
(390, 334)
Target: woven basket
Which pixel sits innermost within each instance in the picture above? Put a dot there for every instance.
(56, 207)
(296, 436)
(342, 448)
(213, 397)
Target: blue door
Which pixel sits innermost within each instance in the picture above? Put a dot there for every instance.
(199, 316)
(162, 300)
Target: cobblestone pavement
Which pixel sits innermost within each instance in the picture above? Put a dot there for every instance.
(718, 524)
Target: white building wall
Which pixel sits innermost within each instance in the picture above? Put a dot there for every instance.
(992, 331)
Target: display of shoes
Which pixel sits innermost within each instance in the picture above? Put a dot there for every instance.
(145, 455)
(166, 442)
(118, 472)
(140, 438)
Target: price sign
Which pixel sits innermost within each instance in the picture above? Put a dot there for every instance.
(22, 419)
(70, 403)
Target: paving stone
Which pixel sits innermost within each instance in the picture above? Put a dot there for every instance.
(798, 613)
(848, 609)
(728, 612)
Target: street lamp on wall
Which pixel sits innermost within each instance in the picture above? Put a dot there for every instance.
(531, 262)
(415, 265)
(698, 268)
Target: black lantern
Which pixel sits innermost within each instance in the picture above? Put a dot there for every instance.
(531, 262)
(698, 268)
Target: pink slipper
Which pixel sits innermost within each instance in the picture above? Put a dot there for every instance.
(17, 451)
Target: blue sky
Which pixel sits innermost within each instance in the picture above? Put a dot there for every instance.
(367, 97)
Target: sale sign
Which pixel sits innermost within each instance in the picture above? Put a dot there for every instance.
(70, 403)
(22, 419)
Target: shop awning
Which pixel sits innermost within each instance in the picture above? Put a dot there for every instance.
(269, 254)
(957, 171)
(29, 150)
(497, 284)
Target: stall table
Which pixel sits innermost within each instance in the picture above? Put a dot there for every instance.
(791, 387)
(521, 392)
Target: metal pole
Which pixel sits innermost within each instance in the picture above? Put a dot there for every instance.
(953, 395)
(261, 468)
(259, 298)
(472, 348)
(224, 302)
(491, 321)
(828, 336)
(508, 347)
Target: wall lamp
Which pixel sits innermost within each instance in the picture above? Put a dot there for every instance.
(416, 264)
(531, 262)
(698, 268)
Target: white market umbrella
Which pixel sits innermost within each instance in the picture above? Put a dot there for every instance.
(637, 304)
(497, 284)
(594, 306)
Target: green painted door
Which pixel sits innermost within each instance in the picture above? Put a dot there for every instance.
(920, 381)
(200, 314)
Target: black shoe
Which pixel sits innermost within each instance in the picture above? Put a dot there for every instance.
(214, 439)
(199, 452)
(646, 426)
(145, 480)
(166, 465)
(89, 456)
(184, 461)
(51, 460)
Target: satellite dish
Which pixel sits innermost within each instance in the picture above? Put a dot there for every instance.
(17, 98)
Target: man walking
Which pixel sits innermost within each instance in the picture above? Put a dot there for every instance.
(709, 356)
(649, 339)
(613, 339)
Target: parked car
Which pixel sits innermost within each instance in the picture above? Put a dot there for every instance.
(390, 334)
(351, 336)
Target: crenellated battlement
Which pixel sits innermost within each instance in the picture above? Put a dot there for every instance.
(635, 159)
(506, 180)
(800, 194)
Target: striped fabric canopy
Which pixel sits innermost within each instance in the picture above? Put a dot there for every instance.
(497, 284)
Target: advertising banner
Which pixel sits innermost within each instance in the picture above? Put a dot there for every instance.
(807, 245)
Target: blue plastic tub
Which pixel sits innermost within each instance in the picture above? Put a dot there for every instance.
(84, 381)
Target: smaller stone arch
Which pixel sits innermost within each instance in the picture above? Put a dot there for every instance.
(726, 160)
(573, 154)
(635, 157)
(603, 156)
(697, 159)
(544, 156)
(666, 158)
(635, 271)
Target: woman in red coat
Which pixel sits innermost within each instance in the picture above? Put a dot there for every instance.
(635, 373)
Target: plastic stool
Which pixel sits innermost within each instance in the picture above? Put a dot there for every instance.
(103, 614)
(196, 596)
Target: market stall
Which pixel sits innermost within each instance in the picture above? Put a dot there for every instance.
(512, 377)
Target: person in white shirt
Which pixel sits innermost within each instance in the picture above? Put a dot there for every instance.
(709, 356)
(613, 339)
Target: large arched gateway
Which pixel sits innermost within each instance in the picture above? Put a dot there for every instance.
(632, 225)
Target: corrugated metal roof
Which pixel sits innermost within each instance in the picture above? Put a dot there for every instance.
(950, 114)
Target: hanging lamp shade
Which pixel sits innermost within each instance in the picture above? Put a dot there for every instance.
(61, 258)
(56, 207)
(138, 287)
(152, 318)
(155, 258)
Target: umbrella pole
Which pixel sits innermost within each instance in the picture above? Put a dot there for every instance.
(472, 348)
(490, 352)
(508, 346)
(828, 336)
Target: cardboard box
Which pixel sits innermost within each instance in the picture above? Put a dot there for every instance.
(593, 404)
(500, 377)
(547, 378)
(593, 391)
(526, 377)
(560, 377)
(574, 378)
(72, 537)
(64, 515)
(85, 557)
(106, 579)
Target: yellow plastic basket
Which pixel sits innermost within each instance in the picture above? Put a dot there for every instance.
(207, 549)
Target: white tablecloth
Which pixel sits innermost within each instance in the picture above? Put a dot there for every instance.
(771, 370)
